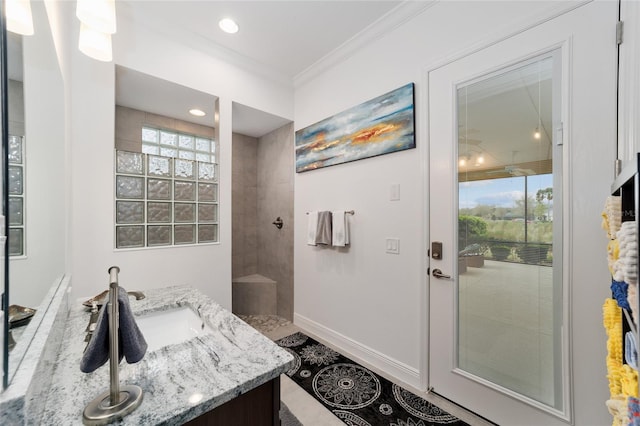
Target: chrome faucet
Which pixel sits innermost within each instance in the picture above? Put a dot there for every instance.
(138, 294)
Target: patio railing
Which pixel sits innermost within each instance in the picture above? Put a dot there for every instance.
(511, 251)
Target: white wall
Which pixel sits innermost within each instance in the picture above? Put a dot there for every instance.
(206, 267)
(60, 20)
(629, 90)
(32, 275)
(372, 303)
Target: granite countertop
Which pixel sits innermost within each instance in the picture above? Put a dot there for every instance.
(180, 381)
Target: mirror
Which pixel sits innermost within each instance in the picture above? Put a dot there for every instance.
(36, 176)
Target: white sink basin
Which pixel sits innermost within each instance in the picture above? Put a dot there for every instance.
(169, 327)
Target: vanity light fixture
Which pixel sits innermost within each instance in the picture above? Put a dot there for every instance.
(228, 25)
(100, 15)
(95, 44)
(197, 112)
(19, 19)
(97, 23)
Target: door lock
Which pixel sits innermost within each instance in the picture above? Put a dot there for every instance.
(438, 274)
(436, 250)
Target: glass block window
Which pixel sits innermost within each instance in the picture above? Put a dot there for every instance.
(169, 143)
(164, 200)
(16, 196)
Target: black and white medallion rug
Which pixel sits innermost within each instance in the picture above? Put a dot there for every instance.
(354, 394)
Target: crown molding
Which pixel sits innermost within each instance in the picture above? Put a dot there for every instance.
(393, 19)
(205, 45)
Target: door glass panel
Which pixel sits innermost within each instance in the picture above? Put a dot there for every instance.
(509, 302)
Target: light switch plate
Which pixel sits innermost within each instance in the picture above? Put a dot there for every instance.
(393, 245)
(394, 192)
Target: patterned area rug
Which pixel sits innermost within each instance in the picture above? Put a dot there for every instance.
(354, 394)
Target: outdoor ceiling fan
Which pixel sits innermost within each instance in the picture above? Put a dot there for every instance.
(516, 171)
(512, 169)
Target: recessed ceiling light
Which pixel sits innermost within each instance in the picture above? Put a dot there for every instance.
(228, 25)
(197, 112)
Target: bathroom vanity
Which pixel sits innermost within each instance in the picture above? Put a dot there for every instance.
(227, 375)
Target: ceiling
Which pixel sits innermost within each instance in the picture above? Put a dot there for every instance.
(284, 37)
(497, 118)
(288, 36)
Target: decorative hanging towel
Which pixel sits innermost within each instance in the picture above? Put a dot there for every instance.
(323, 233)
(132, 344)
(612, 321)
(619, 292)
(631, 349)
(625, 268)
(612, 215)
(633, 409)
(312, 228)
(628, 381)
(617, 407)
(340, 228)
(613, 254)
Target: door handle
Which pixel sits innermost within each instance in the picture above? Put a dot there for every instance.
(438, 274)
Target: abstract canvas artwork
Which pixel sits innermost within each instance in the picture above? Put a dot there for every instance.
(382, 125)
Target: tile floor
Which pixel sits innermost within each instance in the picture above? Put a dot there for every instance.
(309, 411)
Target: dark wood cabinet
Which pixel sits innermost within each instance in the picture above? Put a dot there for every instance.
(258, 407)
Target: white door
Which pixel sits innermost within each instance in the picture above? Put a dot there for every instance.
(500, 156)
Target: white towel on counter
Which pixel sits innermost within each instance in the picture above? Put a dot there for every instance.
(323, 233)
(340, 231)
(312, 228)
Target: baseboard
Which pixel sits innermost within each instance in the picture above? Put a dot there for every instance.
(360, 353)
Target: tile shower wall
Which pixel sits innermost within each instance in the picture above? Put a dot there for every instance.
(263, 190)
(244, 192)
(275, 198)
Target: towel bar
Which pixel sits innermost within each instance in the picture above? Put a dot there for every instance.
(351, 212)
(118, 401)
